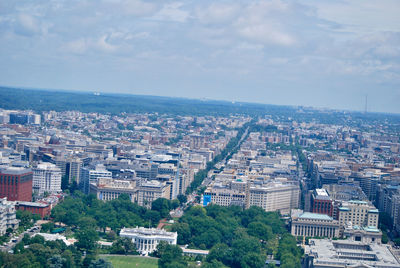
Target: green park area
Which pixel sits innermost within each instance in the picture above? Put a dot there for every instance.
(131, 261)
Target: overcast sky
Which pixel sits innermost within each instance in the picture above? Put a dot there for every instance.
(320, 53)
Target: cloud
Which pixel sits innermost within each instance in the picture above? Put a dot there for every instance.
(28, 25)
(217, 13)
(172, 12)
(309, 46)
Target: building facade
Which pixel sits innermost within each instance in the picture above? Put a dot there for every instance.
(107, 189)
(46, 178)
(148, 191)
(147, 239)
(314, 225)
(41, 209)
(275, 197)
(7, 216)
(359, 213)
(321, 202)
(89, 176)
(363, 234)
(16, 183)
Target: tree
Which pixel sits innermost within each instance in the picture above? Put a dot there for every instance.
(182, 198)
(170, 255)
(260, 230)
(56, 261)
(100, 263)
(161, 205)
(87, 239)
(252, 260)
(64, 182)
(25, 217)
(152, 216)
(220, 252)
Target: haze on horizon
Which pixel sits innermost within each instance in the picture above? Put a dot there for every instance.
(314, 53)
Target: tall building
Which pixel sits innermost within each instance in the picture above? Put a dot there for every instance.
(7, 216)
(89, 176)
(16, 184)
(23, 118)
(359, 213)
(46, 178)
(321, 202)
(73, 168)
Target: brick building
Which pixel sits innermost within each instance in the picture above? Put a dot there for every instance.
(16, 183)
(321, 203)
(35, 207)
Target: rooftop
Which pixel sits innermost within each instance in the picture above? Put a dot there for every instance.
(342, 252)
(315, 216)
(15, 170)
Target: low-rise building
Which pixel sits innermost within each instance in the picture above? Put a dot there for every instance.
(148, 191)
(314, 225)
(366, 235)
(43, 209)
(147, 239)
(107, 189)
(324, 253)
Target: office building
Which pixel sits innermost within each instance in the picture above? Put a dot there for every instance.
(275, 196)
(73, 168)
(46, 178)
(321, 202)
(147, 239)
(107, 189)
(89, 176)
(148, 191)
(359, 213)
(224, 195)
(16, 183)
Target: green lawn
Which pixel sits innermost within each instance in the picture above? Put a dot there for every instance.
(131, 261)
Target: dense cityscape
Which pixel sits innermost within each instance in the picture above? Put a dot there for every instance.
(305, 188)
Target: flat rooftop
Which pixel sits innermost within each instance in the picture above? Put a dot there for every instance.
(15, 170)
(343, 252)
(315, 216)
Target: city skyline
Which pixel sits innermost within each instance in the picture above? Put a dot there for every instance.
(314, 53)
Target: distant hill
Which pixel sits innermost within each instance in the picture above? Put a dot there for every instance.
(46, 100)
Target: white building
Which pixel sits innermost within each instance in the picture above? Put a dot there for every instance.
(275, 196)
(107, 189)
(89, 176)
(147, 239)
(46, 178)
(7, 216)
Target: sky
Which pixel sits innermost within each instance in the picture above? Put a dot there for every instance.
(319, 53)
